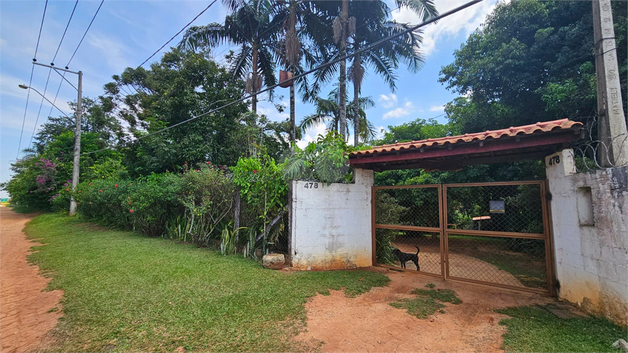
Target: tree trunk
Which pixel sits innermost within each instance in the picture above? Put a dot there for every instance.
(356, 106)
(236, 213)
(254, 82)
(356, 115)
(343, 69)
(292, 126)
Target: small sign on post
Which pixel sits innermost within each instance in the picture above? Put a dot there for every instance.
(497, 207)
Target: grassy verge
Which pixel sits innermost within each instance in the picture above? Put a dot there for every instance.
(427, 301)
(536, 329)
(125, 292)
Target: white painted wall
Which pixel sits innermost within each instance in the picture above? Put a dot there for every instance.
(591, 255)
(331, 225)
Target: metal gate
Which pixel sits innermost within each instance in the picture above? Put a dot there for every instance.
(489, 233)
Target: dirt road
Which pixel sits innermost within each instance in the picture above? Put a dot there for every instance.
(25, 310)
(368, 323)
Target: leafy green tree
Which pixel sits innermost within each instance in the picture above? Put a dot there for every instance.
(420, 129)
(252, 27)
(183, 85)
(531, 61)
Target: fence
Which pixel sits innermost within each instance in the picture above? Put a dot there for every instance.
(491, 233)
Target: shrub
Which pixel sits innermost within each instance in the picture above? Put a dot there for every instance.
(35, 183)
(144, 204)
(206, 195)
(265, 192)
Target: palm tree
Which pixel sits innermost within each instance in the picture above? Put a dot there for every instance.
(386, 56)
(291, 49)
(328, 111)
(372, 16)
(253, 27)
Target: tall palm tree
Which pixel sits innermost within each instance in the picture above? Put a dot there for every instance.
(303, 22)
(387, 55)
(253, 27)
(328, 111)
(373, 24)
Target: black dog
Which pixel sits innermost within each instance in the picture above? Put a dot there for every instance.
(405, 257)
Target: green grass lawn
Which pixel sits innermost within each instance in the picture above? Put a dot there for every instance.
(535, 329)
(126, 292)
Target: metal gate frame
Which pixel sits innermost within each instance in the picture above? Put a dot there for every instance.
(444, 232)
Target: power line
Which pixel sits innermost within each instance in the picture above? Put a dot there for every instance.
(43, 96)
(30, 81)
(296, 77)
(182, 29)
(64, 32)
(30, 141)
(84, 34)
(41, 26)
(68, 64)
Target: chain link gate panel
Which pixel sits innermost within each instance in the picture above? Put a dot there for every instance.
(409, 219)
(489, 233)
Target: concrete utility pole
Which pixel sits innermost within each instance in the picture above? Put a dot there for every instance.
(612, 124)
(77, 143)
(77, 134)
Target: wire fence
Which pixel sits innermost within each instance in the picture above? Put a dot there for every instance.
(498, 208)
(507, 261)
(492, 233)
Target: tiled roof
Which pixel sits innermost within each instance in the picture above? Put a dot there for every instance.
(547, 126)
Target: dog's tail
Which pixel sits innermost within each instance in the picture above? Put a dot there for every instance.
(417, 249)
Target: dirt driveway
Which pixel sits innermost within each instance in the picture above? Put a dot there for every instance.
(25, 310)
(368, 323)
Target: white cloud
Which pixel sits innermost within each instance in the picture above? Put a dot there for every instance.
(381, 131)
(406, 110)
(437, 108)
(271, 113)
(466, 21)
(388, 101)
(115, 53)
(312, 134)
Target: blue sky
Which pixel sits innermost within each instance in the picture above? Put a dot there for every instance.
(125, 33)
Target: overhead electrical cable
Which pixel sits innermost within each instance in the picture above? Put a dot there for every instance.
(52, 63)
(182, 29)
(84, 34)
(41, 26)
(296, 77)
(30, 81)
(69, 61)
(64, 32)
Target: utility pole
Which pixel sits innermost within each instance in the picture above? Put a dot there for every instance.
(77, 143)
(612, 121)
(77, 134)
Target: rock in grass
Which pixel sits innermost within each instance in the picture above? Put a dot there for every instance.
(621, 344)
(273, 261)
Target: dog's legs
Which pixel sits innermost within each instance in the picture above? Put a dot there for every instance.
(416, 262)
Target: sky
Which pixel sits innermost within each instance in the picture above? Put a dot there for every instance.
(126, 32)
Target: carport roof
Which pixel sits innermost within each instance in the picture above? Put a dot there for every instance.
(454, 152)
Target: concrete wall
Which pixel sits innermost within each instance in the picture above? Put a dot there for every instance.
(590, 232)
(331, 225)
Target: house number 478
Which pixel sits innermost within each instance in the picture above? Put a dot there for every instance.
(554, 160)
(311, 185)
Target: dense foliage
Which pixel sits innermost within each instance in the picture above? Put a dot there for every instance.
(531, 61)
